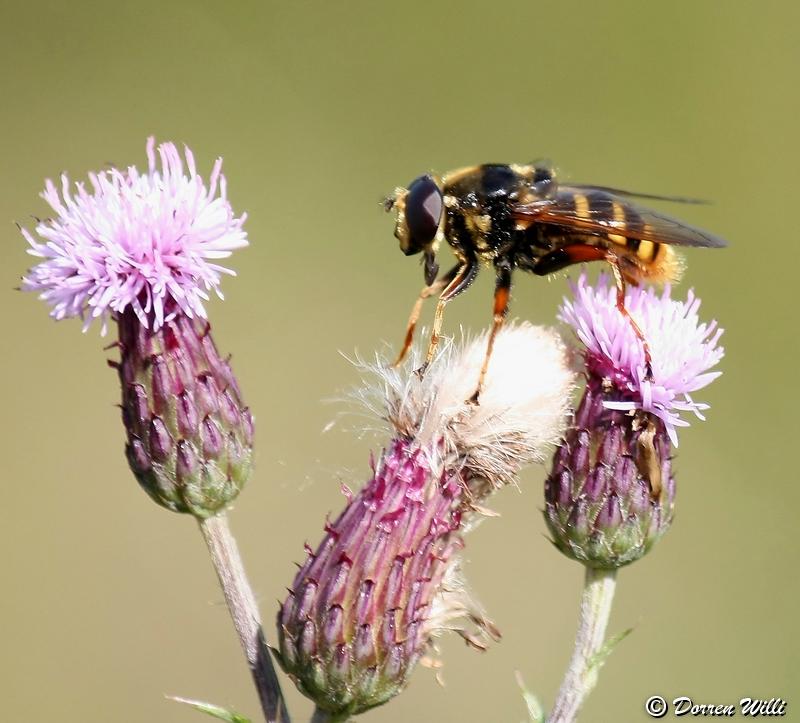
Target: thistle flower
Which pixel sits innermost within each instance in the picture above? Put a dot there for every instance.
(141, 249)
(384, 583)
(610, 495)
(683, 349)
(148, 242)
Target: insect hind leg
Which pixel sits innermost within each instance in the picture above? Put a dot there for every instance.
(619, 281)
(580, 253)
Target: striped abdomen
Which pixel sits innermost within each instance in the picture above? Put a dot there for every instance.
(652, 260)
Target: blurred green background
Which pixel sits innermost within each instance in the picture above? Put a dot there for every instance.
(319, 109)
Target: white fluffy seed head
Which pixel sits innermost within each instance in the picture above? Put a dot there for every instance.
(522, 412)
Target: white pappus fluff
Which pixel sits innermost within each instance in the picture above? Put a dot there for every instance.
(522, 411)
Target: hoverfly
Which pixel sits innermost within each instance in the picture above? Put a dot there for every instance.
(519, 217)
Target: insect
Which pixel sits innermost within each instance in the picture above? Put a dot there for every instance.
(512, 217)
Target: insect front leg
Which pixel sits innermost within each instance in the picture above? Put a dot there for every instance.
(462, 280)
(427, 291)
(502, 295)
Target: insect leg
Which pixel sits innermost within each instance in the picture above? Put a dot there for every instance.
(427, 291)
(565, 256)
(502, 294)
(578, 253)
(619, 280)
(463, 278)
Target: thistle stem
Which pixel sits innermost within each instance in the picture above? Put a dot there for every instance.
(244, 612)
(581, 675)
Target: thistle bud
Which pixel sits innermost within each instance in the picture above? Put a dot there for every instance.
(143, 250)
(384, 582)
(610, 494)
(363, 608)
(189, 435)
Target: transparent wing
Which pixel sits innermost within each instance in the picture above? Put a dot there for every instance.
(647, 196)
(598, 210)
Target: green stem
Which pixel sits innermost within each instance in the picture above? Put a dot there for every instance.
(244, 612)
(581, 675)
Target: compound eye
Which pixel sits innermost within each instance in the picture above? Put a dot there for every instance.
(424, 206)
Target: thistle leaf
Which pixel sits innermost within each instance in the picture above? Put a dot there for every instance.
(214, 711)
(598, 660)
(534, 706)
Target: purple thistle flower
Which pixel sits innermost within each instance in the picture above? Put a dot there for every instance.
(145, 241)
(611, 491)
(683, 349)
(141, 249)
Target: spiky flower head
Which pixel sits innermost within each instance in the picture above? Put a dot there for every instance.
(611, 492)
(146, 241)
(384, 583)
(141, 249)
